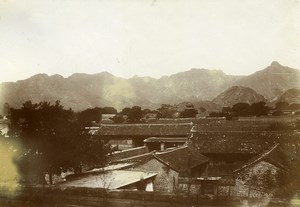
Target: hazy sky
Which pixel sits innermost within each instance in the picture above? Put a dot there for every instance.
(146, 37)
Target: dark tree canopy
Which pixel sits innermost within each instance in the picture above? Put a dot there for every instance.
(52, 138)
(166, 111)
(259, 109)
(135, 114)
(88, 116)
(202, 109)
(126, 111)
(227, 110)
(109, 110)
(146, 111)
(118, 118)
(241, 109)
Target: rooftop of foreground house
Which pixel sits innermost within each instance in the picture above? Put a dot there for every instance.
(114, 179)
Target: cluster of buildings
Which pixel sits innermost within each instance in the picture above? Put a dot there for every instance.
(213, 157)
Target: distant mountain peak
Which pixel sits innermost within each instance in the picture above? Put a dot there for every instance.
(80, 75)
(57, 76)
(38, 77)
(275, 64)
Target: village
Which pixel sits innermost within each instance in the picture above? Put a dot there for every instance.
(200, 156)
(150, 103)
(208, 156)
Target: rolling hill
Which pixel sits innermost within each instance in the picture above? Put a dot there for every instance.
(237, 94)
(291, 96)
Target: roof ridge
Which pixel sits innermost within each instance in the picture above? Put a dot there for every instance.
(252, 131)
(170, 164)
(103, 125)
(164, 162)
(258, 157)
(171, 150)
(136, 156)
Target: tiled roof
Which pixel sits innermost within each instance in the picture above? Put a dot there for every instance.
(166, 139)
(254, 142)
(138, 158)
(144, 130)
(247, 125)
(275, 155)
(181, 159)
(127, 153)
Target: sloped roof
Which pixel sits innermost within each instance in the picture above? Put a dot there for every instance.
(246, 125)
(275, 155)
(181, 129)
(166, 139)
(127, 153)
(181, 158)
(137, 158)
(253, 142)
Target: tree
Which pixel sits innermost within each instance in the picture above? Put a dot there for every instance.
(52, 140)
(259, 109)
(118, 118)
(202, 109)
(109, 110)
(217, 114)
(88, 116)
(241, 109)
(146, 111)
(135, 114)
(166, 111)
(126, 111)
(227, 110)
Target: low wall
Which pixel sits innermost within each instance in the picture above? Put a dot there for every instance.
(39, 196)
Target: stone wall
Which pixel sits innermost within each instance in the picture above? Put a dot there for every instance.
(258, 180)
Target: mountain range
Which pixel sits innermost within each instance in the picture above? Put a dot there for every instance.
(81, 91)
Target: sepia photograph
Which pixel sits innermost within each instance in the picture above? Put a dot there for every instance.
(146, 103)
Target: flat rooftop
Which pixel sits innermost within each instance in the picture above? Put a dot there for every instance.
(110, 180)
